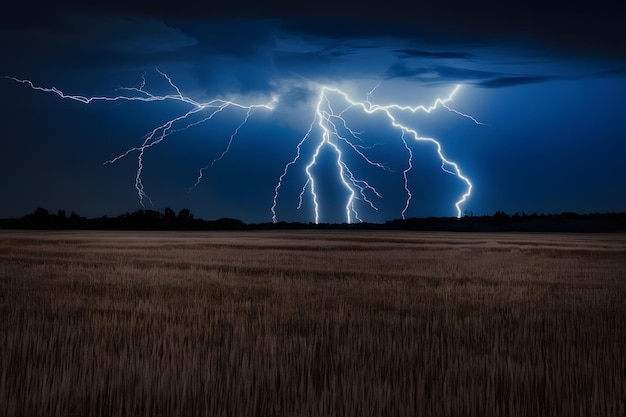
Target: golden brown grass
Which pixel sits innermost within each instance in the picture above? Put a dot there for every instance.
(312, 323)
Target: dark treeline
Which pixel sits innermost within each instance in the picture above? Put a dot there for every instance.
(138, 220)
(41, 219)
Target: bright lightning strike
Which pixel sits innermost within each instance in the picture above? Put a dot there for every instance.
(329, 129)
(332, 123)
(157, 135)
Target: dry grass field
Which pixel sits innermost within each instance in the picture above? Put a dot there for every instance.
(312, 323)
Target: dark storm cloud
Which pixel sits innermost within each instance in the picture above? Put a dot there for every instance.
(438, 74)
(341, 53)
(245, 46)
(97, 39)
(616, 72)
(235, 37)
(513, 81)
(581, 28)
(448, 74)
(227, 55)
(416, 53)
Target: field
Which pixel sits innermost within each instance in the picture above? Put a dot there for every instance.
(312, 323)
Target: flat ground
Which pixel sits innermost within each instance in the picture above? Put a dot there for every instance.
(312, 323)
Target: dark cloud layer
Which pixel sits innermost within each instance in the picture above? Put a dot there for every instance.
(416, 53)
(593, 28)
(442, 75)
(513, 81)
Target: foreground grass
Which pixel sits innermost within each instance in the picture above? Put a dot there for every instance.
(312, 324)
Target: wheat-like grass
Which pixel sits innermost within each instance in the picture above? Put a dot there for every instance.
(312, 324)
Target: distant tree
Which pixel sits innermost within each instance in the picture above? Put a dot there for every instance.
(501, 217)
(150, 220)
(184, 215)
(76, 221)
(168, 219)
(169, 214)
(39, 219)
(74, 216)
(41, 213)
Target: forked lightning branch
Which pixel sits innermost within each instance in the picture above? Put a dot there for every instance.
(330, 129)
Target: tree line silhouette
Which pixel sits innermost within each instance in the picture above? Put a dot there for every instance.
(42, 219)
(138, 220)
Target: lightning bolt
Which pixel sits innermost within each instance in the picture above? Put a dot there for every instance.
(327, 120)
(223, 154)
(157, 135)
(329, 129)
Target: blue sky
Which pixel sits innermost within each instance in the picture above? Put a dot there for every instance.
(546, 84)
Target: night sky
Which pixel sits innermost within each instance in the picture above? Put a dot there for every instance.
(538, 124)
